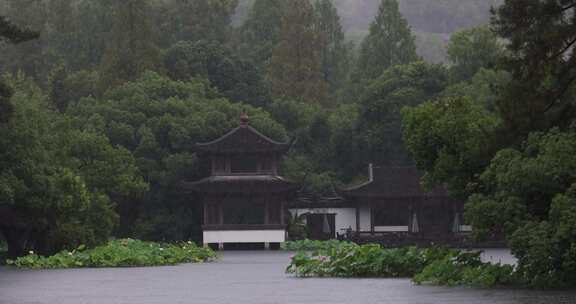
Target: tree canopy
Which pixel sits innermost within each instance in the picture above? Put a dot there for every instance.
(390, 42)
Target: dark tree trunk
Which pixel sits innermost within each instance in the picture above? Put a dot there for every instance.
(16, 239)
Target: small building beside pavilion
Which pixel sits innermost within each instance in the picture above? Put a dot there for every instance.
(391, 207)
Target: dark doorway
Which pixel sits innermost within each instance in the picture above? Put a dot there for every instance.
(321, 226)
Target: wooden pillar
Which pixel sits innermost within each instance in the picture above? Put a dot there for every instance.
(282, 212)
(357, 217)
(220, 210)
(205, 212)
(266, 210)
(372, 218)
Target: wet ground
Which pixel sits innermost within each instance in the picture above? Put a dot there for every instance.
(242, 278)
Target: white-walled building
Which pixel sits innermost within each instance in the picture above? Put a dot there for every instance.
(392, 204)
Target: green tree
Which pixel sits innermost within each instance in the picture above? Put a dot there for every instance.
(542, 59)
(12, 34)
(159, 120)
(194, 20)
(335, 51)
(91, 36)
(390, 42)
(28, 55)
(261, 31)
(295, 70)
(452, 139)
(528, 194)
(471, 50)
(400, 86)
(131, 49)
(57, 190)
(235, 78)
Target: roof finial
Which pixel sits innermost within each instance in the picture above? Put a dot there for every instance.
(244, 119)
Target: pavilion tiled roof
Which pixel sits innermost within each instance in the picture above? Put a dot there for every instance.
(243, 139)
(393, 182)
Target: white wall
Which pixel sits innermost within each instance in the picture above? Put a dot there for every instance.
(391, 228)
(245, 236)
(365, 219)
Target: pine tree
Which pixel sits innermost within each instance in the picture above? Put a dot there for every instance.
(541, 56)
(28, 56)
(63, 37)
(335, 55)
(296, 66)
(10, 33)
(261, 31)
(390, 42)
(131, 49)
(194, 20)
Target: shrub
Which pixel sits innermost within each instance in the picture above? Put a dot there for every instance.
(119, 253)
(465, 268)
(436, 265)
(311, 245)
(343, 259)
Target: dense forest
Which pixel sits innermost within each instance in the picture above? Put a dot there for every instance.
(102, 101)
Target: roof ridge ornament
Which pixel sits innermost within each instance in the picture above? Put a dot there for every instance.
(244, 119)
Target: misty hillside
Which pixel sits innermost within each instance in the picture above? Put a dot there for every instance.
(432, 20)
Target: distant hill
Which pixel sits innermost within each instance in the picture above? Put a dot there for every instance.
(432, 20)
(434, 16)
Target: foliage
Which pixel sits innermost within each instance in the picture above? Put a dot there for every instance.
(471, 50)
(452, 140)
(295, 70)
(542, 59)
(434, 265)
(344, 259)
(260, 33)
(528, 194)
(235, 78)
(398, 87)
(130, 51)
(13, 34)
(195, 20)
(159, 120)
(119, 253)
(312, 245)
(335, 51)
(52, 193)
(484, 88)
(466, 268)
(390, 42)
(296, 227)
(329, 148)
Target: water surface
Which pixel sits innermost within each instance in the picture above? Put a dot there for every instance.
(242, 278)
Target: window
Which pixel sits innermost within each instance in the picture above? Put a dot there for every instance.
(244, 164)
(244, 214)
(275, 213)
(266, 164)
(219, 165)
(212, 214)
(391, 216)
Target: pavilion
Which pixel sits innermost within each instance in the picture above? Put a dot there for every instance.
(244, 199)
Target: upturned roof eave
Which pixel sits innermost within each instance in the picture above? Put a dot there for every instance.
(211, 146)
